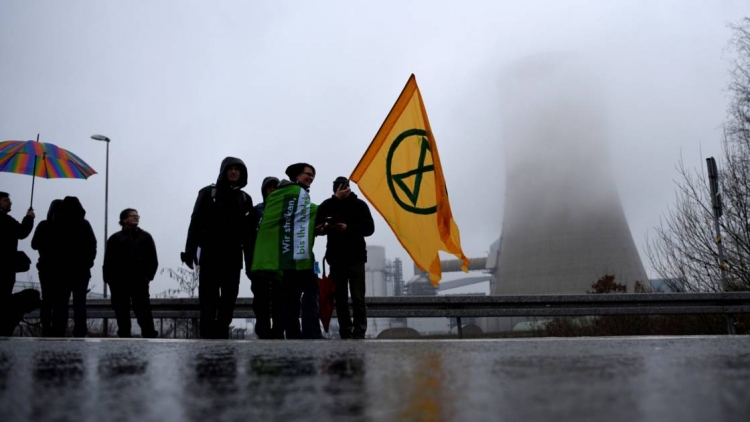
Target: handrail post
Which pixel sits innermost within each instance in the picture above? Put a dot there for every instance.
(730, 324)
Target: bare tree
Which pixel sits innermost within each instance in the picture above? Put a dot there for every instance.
(684, 249)
(187, 280)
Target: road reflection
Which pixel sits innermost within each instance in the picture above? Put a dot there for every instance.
(212, 392)
(559, 383)
(4, 370)
(55, 369)
(609, 379)
(124, 384)
(57, 385)
(345, 384)
(424, 396)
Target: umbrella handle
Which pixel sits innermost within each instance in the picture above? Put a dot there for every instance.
(33, 179)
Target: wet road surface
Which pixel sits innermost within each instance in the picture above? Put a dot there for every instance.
(612, 379)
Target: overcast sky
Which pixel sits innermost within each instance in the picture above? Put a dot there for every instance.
(179, 85)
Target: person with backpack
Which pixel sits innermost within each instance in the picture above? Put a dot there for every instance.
(222, 227)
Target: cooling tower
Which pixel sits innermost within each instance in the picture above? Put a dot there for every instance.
(376, 285)
(563, 226)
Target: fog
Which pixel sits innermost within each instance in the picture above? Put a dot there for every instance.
(179, 85)
(564, 226)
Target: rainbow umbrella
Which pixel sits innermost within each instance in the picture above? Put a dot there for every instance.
(42, 159)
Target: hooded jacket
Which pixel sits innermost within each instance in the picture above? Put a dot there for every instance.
(347, 246)
(260, 208)
(73, 243)
(223, 221)
(44, 237)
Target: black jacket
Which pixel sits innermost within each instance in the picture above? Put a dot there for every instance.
(349, 245)
(130, 257)
(73, 243)
(10, 232)
(44, 237)
(43, 241)
(223, 222)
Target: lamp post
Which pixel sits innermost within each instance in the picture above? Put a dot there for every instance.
(713, 184)
(106, 197)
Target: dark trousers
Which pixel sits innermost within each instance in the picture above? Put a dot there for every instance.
(350, 278)
(268, 304)
(45, 311)
(123, 293)
(311, 309)
(218, 288)
(62, 289)
(7, 281)
(301, 293)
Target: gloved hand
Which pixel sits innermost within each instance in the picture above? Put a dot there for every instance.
(188, 259)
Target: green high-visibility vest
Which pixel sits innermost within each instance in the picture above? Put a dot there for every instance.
(287, 231)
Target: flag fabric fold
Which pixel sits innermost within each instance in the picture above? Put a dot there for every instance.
(400, 174)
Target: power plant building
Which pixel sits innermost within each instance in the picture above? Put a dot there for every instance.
(564, 226)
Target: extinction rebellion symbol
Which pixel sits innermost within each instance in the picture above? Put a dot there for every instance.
(412, 194)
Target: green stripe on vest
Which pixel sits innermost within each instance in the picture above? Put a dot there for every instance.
(287, 231)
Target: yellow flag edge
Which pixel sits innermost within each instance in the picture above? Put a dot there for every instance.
(390, 120)
(444, 215)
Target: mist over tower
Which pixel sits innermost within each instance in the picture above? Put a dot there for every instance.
(564, 226)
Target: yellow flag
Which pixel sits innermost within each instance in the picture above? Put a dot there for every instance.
(401, 176)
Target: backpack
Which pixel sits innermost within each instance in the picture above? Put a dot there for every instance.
(213, 194)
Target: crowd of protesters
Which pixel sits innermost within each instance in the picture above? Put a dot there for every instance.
(272, 241)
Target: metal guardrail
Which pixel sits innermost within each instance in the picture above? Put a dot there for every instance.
(487, 306)
(560, 305)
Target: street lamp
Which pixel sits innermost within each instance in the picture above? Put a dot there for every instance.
(106, 196)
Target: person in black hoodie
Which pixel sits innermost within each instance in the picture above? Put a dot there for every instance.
(130, 263)
(46, 265)
(223, 227)
(73, 246)
(346, 221)
(267, 294)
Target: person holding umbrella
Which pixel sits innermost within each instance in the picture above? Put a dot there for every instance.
(11, 231)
